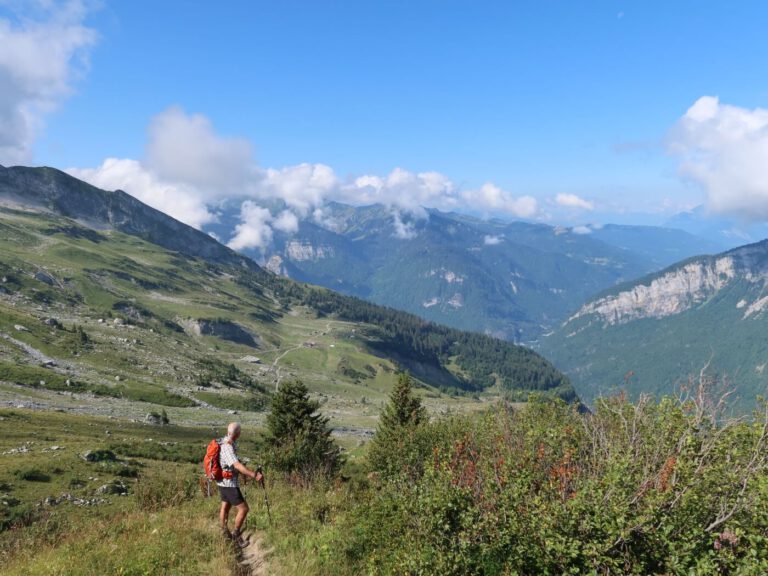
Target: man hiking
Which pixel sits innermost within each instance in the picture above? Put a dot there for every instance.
(229, 488)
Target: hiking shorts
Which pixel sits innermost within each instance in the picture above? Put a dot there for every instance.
(231, 495)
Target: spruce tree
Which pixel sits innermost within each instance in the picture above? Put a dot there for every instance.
(401, 416)
(299, 437)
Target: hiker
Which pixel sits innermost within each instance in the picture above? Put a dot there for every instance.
(229, 488)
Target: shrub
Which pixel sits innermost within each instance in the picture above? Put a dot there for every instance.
(32, 475)
(662, 487)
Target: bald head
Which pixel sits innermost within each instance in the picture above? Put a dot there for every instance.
(233, 430)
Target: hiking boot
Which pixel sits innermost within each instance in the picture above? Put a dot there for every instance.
(225, 533)
(238, 539)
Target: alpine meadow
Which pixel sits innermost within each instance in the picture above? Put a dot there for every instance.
(387, 288)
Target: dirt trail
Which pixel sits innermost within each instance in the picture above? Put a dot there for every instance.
(254, 558)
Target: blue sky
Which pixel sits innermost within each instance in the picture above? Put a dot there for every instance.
(535, 98)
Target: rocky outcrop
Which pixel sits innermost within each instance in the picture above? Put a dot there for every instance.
(671, 293)
(275, 265)
(224, 329)
(449, 276)
(685, 286)
(302, 251)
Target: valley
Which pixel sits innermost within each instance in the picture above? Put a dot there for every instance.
(513, 280)
(100, 321)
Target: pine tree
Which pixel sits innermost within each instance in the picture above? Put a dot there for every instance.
(401, 416)
(404, 408)
(299, 437)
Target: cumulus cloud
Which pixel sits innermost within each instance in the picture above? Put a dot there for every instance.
(573, 201)
(254, 230)
(302, 187)
(286, 222)
(490, 240)
(724, 149)
(323, 218)
(491, 198)
(403, 190)
(581, 230)
(186, 168)
(185, 148)
(43, 51)
(182, 201)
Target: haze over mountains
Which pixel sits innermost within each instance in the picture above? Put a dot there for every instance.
(514, 280)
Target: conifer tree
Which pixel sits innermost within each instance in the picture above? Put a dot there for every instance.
(401, 416)
(299, 437)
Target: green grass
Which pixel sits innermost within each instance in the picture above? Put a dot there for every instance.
(149, 360)
(162, 526)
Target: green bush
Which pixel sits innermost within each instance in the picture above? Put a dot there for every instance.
(646, 488)
(32, 475)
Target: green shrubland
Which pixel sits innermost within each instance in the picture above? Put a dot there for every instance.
(667, 487)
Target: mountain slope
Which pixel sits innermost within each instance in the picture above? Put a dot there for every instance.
(56, 192)
(127, 319)
(650, 335)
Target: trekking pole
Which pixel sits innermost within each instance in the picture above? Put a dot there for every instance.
(266, 498)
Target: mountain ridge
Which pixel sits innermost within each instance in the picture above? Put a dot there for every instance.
(651, 335)
(64, 194)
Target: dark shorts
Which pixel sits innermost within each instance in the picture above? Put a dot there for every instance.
(231, 495)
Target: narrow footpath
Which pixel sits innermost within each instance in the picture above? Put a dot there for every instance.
(253, 559)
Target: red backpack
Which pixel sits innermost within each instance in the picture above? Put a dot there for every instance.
(212, 465)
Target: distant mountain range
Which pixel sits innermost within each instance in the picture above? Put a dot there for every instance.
(708, 313)
(728, 232)
(514, 280)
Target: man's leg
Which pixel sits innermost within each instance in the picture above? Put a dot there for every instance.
(242, 512)
(224, 514)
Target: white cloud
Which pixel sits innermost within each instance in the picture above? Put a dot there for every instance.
(724, 149)
(42, 52)
(286, 222)
(581, 230)
(187, 167)
(403, 190)
(322, 218)
(490, 240)
(185, 148)
(491, 198)
(302, 187)
(254, 230)
(181, 201)
(573, 201)
(403, 230)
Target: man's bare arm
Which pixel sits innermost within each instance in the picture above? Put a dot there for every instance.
(251, 474)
